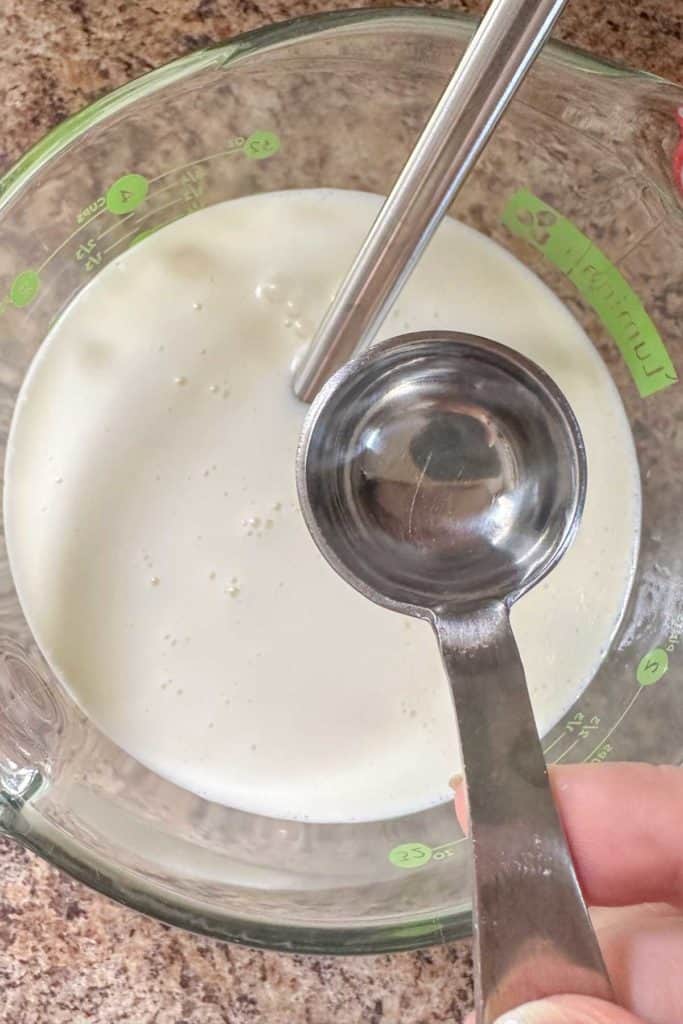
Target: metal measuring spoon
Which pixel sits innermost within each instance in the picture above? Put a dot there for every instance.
(443, 475)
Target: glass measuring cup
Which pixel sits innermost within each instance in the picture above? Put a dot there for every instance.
(578, 183)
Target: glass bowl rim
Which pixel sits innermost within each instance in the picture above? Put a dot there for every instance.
(269, 36)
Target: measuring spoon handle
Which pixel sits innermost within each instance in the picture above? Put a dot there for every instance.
(503, 48)
(532, 933)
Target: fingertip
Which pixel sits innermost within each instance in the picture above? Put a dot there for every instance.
(632, 808)
(568, 1010)
(457, 784)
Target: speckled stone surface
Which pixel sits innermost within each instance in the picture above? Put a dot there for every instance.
(66, 954)
(58, 55)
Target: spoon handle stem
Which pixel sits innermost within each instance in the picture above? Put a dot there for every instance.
(495, 62)
(533, 936)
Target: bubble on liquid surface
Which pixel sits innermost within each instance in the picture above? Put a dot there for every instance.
(269, 291)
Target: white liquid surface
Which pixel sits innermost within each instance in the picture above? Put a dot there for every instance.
(159, 552)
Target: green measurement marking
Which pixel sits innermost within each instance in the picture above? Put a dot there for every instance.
(601, 285)
(414, 855)
(261, 145)
(410, 855)
(24, 288)
(652, 667)
(126, 193)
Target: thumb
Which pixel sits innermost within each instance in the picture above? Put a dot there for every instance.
(569, 1010)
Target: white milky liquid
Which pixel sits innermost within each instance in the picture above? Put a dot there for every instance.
(157, 546)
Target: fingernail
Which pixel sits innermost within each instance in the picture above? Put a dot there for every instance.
(455, 781)
(539, 1012)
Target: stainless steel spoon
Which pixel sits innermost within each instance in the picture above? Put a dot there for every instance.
(443, 476)
(494, 64)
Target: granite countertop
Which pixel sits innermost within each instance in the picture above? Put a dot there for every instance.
(67, 955)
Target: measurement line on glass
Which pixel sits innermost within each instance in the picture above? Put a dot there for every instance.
(449, 845)
(66, 241)
(586, 728)
(555, 742)
(568, 751)
(116, 224)
(616, 725)
(139, 221)
(200, 160)
(159, 177)
(578, 722)
(160, 191)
